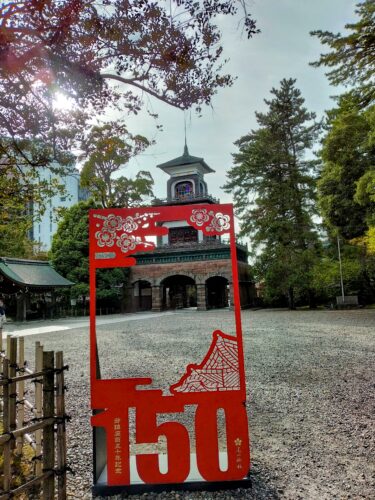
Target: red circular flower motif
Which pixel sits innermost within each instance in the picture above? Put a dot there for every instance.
(105, 238)
(126, 243)
(199, 216)
(113, 223)
(129, 225)
(220, 222)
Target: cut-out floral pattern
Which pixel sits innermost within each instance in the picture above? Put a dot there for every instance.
(199, 216)
(129, 225)
(126, 242)
(105, 237)
(116, 229)
(113, 223)
(219, 223)
(212, 221)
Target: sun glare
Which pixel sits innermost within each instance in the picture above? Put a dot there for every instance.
(62, 102)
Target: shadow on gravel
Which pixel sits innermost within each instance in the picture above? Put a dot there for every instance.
(259, 490)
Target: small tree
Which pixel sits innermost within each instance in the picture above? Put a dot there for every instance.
(274, 187)
(70, 257)
(108, 148)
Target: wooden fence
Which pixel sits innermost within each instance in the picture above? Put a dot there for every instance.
(34, 423)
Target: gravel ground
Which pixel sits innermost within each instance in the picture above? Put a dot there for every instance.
(311, 396)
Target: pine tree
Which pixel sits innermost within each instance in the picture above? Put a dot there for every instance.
(273, 186)
(351, 59)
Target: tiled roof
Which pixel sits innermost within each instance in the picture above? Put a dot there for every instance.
(34, 273)
(185, 159)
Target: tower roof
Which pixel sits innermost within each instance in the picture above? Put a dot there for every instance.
(185, 159)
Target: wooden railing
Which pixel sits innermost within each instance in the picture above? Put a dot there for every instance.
(45, 416)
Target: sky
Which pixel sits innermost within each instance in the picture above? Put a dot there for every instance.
(283, 49)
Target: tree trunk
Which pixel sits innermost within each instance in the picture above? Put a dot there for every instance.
(291, 298)
(312, 299)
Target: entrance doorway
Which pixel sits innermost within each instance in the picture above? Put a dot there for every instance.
(179, 291)
(217, 292)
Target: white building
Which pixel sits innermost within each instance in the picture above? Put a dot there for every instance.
(46, 225)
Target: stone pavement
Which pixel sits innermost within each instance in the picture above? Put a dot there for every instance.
(37, 327)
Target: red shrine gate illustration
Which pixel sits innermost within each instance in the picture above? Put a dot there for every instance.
(214, 384)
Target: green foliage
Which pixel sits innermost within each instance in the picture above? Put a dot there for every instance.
(69, 251)
(365, 191)
(326, 276)
(273, 186)
(132, 192)
(346, 184)
(352, 56)
(70, 257)
(108, 148)
(287, 274)
(358, 270)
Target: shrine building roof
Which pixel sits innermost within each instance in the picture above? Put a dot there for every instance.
(32, 273)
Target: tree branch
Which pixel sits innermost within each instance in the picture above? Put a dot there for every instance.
(141, 87)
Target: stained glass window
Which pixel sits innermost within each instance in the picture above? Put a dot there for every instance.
(183, 190)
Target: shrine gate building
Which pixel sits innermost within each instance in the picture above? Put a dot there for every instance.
(187, 268)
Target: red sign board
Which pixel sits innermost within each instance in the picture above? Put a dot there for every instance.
(215, 383)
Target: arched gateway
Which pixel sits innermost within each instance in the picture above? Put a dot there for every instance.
(179, 291)
(217, 292)
(188, 268)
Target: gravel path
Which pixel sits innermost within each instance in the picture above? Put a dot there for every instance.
(311, 394)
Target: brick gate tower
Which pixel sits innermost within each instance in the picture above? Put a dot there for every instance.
(187, 268)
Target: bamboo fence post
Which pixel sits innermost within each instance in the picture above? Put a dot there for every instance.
(7, 446)
(8, 346)
(48, 433)
(1, 358)
(61, 435)
(21, 393)
(13, 387)
(38, 407)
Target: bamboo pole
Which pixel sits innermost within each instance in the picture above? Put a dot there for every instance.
(4, 438)
(48, 433)
(12, 387)
(27, 486)
(38, 407)
(1, 358)
(21, 394)
(7, 445)
(61, 433)
(8, 346)
(30, 406)
(20, 378)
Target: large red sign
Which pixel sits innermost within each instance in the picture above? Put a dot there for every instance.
(216, 383)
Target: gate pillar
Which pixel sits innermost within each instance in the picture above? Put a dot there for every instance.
(156, 298)
(201, 297)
